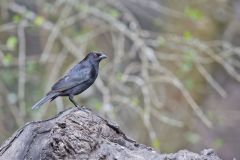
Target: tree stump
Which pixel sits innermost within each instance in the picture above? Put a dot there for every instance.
(79, 134)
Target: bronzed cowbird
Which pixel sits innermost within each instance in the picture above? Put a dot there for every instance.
(77, 80)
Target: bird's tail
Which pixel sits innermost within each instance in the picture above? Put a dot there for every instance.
(48, 97)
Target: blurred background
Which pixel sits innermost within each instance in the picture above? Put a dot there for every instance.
(171, 80)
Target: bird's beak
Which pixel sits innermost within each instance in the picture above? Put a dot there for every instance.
(103, 56)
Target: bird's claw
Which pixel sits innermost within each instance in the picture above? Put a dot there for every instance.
(83, 108)
(78, 107)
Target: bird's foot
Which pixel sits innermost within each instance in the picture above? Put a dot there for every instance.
(78, 107)
(83, 108)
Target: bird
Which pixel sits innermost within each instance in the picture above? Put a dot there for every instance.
(77, 80)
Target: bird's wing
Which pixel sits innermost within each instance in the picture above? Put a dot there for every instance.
(73, 79)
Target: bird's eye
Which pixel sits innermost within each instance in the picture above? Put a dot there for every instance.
(95, 55)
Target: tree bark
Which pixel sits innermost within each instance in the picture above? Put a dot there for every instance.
(81, 134)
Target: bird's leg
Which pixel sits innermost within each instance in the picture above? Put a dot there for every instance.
(71, 99)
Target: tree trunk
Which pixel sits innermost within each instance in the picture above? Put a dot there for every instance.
(81, 134)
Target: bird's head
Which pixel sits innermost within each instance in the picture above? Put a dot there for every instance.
(95, 56)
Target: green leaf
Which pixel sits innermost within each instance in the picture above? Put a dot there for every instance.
(39, 20)
(156, 143)
(16, 18)
(193, 13)
(12, 42)
(188, 59)
(7, 59)
(187, 35)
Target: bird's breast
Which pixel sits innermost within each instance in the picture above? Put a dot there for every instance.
(94, 73)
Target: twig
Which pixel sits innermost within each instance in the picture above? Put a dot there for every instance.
(54, 34)
(21, 63)
(211, 81)
(7, 26)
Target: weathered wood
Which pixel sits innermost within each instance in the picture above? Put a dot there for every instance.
(81, 134)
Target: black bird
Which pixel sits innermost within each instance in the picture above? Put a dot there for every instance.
(77, 80)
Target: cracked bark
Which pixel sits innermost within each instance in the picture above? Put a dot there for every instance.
(81, 134)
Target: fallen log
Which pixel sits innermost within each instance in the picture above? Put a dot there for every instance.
(77, 134)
